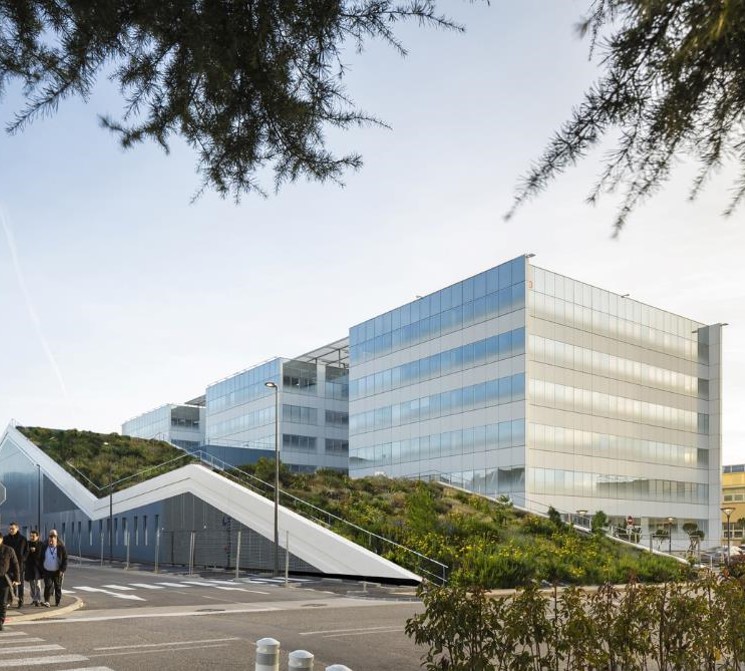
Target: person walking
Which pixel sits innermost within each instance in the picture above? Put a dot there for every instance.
(9, 573)
(16, 540)
(33, 567)
(54, 564)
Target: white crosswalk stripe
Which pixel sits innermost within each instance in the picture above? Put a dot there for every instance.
(119, 591)
(29, 648)
(16, 643)
(118, 595)
(206, 584)
(38, 661)
(124, 588)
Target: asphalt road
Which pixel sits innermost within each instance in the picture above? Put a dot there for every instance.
(136, 620)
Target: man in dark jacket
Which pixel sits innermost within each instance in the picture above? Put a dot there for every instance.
(54, 564)
(33, 570)
(16, 540)
(9, 574)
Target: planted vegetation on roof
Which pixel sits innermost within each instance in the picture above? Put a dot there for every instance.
(96, 459)
(483, 542)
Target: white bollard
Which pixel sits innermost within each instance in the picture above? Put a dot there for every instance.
(301, 659)
(267, 655)
(338, 667)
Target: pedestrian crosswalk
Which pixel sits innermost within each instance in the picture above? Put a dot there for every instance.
(139, 591)
(19, 650)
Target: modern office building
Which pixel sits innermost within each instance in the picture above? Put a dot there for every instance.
(525, 383)
(312, 394)
(180, 424)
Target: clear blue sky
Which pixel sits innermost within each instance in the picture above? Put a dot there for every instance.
(118, 295)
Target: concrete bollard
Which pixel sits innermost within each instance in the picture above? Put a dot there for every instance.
(301, 659)
(267, 655)
(338, 667)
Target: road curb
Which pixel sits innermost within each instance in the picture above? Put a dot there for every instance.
(42, 613)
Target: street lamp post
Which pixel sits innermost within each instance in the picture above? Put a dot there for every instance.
(670, 521)
(273, 385)
(728, 513)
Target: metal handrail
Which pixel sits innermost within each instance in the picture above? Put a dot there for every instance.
(432, 568)
(327, 517)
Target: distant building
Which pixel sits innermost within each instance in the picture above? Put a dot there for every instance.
(733, 497)
(313, 400)
(526, 383)
(182, 425)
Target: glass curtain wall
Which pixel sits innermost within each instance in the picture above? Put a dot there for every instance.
(437, 386)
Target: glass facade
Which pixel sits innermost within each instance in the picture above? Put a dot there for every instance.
(437, 386)
(620, 401)
(523, 382)
(182, 425)
(313, 406)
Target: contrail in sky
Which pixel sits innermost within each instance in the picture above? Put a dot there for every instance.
(29, 304)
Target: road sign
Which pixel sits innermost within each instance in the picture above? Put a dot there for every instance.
(2, 493)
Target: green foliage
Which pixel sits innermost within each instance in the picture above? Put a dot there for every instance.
(421, 515)
(670, 627)
(673, 87)
(555, 517)
(105, 458)
(247, 85)
(467, 642)
(264, 470)
(599, 522)
(482, 541)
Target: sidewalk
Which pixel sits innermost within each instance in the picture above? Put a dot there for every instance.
(29, 613)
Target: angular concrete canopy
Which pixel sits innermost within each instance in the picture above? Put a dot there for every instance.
(326, 551)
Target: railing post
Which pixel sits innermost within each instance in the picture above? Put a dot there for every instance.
(301, 660)
(192, 548)
(157, 549)
(267, 655)
(126, 540)
(238, 555)
(287, 559)
(102, 549)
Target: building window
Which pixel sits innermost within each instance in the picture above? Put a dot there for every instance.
(335, 446)
(300, 414)
(337, 418)
(295, 442)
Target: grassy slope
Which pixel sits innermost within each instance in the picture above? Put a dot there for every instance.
(122, 457)
(481, 541)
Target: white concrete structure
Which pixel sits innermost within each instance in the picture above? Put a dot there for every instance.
(193, 491)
